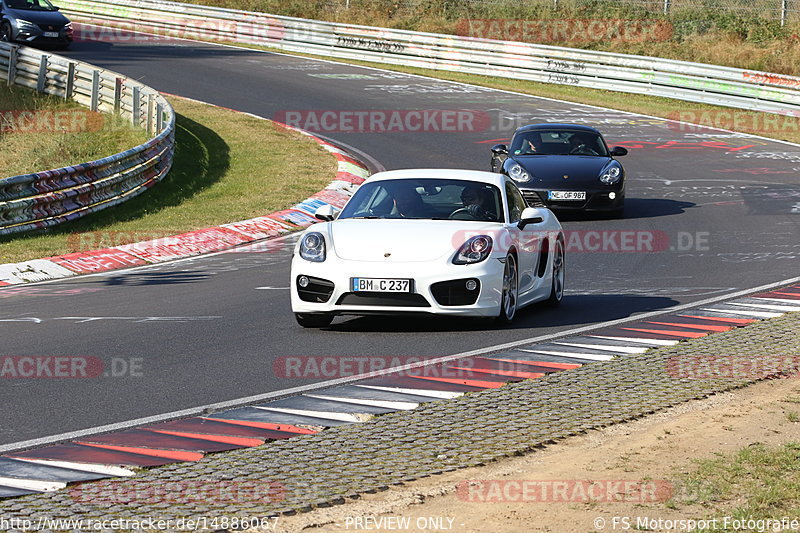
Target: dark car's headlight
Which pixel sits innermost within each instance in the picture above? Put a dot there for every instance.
(312, 247)
(517, 173)
(611, 174)
(474, 250)
(25, 25)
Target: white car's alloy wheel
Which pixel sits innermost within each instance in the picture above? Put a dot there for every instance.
(557, 291)
(508, 304)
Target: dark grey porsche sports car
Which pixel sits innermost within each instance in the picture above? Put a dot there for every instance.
(565, 167)
(34, 22)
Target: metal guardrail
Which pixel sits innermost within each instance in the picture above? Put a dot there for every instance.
(44, 199)
(696, 82)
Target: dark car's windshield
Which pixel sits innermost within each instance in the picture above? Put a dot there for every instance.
(439, 199)
(558, 142)
(31, 5)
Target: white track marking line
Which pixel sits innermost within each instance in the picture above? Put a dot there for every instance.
(606, 347)
(586, 356)
(750, 314)
(31, 484)
(94, 468)
(780, 300)
(439, 394)
(342, 417)
(775, 307)
(386, 404)
(642, 340)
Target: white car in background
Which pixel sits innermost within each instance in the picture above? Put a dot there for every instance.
(445, 242)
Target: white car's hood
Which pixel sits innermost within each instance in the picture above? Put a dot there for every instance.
(391, 240)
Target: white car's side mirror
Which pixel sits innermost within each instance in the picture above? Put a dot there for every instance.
(531, 215)
(326, 213)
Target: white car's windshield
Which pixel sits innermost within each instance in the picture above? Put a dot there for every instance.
(435, 199)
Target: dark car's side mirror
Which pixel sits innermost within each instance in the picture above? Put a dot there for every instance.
(530, 215)
(500, 149)
(619, 151)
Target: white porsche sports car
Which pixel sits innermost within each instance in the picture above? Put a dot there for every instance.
(447, 242)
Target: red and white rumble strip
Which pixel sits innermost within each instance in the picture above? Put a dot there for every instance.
(350, 174)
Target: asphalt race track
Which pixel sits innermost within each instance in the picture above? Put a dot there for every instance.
(713, 212)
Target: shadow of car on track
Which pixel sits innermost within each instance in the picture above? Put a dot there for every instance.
(109, 46)
(154, 278)
(635, 208)
(575, 310)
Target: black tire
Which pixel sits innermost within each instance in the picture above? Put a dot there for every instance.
(313, 320)
(557, 279)
(5, 32)
(510, 295)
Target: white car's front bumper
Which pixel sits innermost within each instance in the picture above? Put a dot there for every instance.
(489, 274)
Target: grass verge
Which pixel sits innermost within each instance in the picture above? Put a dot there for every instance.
(228, 166)
(41, 132)
(756, 483)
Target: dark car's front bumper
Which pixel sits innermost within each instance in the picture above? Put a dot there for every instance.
(44, 34)
(597, 200)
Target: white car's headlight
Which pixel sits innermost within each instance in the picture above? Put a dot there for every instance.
(517, 173)
(611, 175)
(474, 250)
(312, 247)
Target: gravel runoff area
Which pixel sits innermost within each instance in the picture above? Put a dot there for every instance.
(330, 467)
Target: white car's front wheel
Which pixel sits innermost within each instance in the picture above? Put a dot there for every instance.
(557, 289)
(508, 302)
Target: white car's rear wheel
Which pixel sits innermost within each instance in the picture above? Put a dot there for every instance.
(557, 289)
(313, 320)
(508, 302)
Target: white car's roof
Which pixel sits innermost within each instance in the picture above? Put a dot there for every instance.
(441, 173)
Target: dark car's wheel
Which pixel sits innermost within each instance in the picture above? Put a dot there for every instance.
(557, 286)
(313, 320)
(508, 301)
(5, 32)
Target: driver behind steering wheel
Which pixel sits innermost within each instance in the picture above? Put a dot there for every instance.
(477, 203)
(579, 145)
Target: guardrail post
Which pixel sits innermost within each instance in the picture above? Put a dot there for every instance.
(70, 88)
(42, 81)
(666, 7)
(150, 114)
(159, 118)
(117, 94)
(783, 12)
(136, 104)
(12, 65)
(95, 101)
